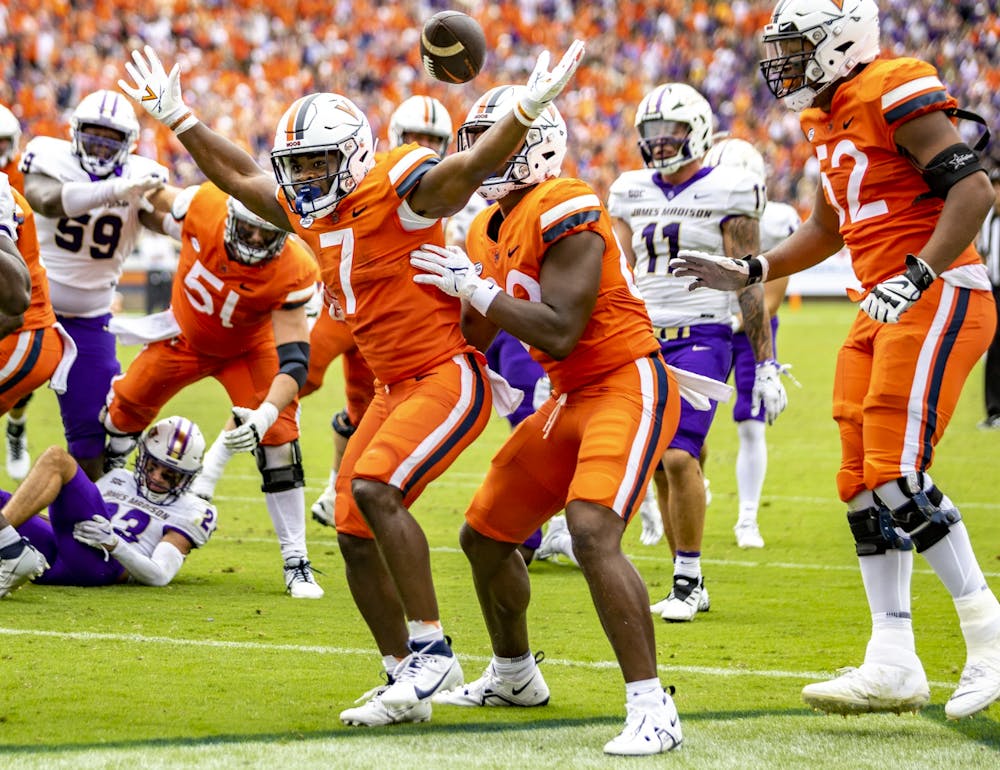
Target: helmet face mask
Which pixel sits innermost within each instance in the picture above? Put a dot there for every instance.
(10, 136)
(539, 158)
(103, 132)
(323, 149)
(170, 455)
(674, 123)
(249, 239)
(811, 44)
(423, 120)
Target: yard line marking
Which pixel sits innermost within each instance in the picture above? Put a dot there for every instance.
(89, 636)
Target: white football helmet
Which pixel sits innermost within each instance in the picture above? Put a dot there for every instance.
(538, 159)
(10, 128)
(810, 44)
(249, 238)
(656, 118)
(176, 446)
(100, 155)
(329, 125)
(421, 115)
(736, 153)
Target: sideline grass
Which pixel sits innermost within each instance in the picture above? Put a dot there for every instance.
(221, 670)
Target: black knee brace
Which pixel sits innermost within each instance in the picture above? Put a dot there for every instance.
(873, 531)
(342, 425)
(922, 517)
(284, 474)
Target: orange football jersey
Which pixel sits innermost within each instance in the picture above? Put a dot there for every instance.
(39, 313)
(873, 187)
(619, 329)
(14, 173)
(222, 306)
(400, 327)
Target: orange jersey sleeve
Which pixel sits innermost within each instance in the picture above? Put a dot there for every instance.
(874, 188)
(400, 327)
(14, 173)
(222, 306)
(39, 313)
(619, 329)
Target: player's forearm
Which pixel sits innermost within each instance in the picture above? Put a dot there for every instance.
(283, 391)
(965, 208)
(809, 245)
(756, 321)
(221, 160)
(157, 570)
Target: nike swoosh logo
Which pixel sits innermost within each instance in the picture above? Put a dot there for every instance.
(701, 195)
(699, 348)
(519, 690)
(510, 252)
(424, 694)
(244, 286)
(419, 377)
(847, 123)
(359, 211)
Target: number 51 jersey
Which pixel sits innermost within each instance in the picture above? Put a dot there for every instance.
(84, 253)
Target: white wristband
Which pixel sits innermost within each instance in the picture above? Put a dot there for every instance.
(80, 197)
(483, 295)
(184, 122)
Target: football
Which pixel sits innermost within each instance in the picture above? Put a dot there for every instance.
(452, 47)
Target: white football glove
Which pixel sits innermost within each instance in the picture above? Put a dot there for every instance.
(135, 190)
(652, 521)
(768, 393)
(96, 532)
(251, 424)
(158, 93)
(718, 272)
(544, 86)
(887, 301)
(451, 271)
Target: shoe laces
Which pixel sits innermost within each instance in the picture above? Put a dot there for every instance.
(301, 572)
(16, 445)
(410, 666)
(377, 690)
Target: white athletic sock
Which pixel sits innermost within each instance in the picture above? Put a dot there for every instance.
(751, 466)
(17, 420)
(643, 690)
(955, 564)
(887, 585)
(688, 564)
(421, 632)
(213, 465)
(514, 669)
(333, 479)
(979, 618)
(288, 515)
(9, 536)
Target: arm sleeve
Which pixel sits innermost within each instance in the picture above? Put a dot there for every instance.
(156, 570)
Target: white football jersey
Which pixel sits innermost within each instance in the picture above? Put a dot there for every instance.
(666, 218)
(84, 255)
(144, 523)
(457, 226)
(778, 221)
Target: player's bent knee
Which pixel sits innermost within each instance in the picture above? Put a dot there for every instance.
(872, 531)
(280, 467)
(927, 516)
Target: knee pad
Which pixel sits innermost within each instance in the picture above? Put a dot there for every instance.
(927, 515)
(873, 531)
(342, 425)
(280, 467)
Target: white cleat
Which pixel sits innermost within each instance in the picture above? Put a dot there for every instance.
(491, 690)
(648, 730)
(652, 521)
(748, 534)
(16, 570)
(557, 541)
(299, 580)
(18, 459)
(374, 713)
(322, 509)
(978, 687)
(686, 599)
(872, 688)
(424, 672)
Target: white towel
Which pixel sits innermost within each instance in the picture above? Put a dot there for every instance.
(59, 377)
(144, 329)
(505, 398)
(697, 389)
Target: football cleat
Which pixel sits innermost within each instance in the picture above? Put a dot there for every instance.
(299, 580)
(557, 541)
(18, 460)
(428, 669)
(374, 713)
(872, 688)
(492, 690)
(748, 534)
(648, 730)
(978, 687)
(322, 509)
(686, 599)
(19, 563)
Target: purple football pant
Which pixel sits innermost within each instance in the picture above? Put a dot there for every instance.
(745, 370)
(508, 358)
(71, 563)
(88, 384)
(708, 351)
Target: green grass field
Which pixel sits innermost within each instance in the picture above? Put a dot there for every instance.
(222, 670)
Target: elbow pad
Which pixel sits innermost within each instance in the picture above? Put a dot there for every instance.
(293, 360)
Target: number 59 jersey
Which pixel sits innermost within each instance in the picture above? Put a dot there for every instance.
(144, 523)
(84, 255)
(665, 218)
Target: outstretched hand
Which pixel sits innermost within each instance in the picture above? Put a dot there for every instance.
(544, 85)
(157, 92)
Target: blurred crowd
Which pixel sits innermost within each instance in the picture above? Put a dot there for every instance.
(245, 61)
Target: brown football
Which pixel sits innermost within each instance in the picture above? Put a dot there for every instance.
(452, 47)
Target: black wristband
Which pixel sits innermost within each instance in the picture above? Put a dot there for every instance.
(918, 273)
(755, 270)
